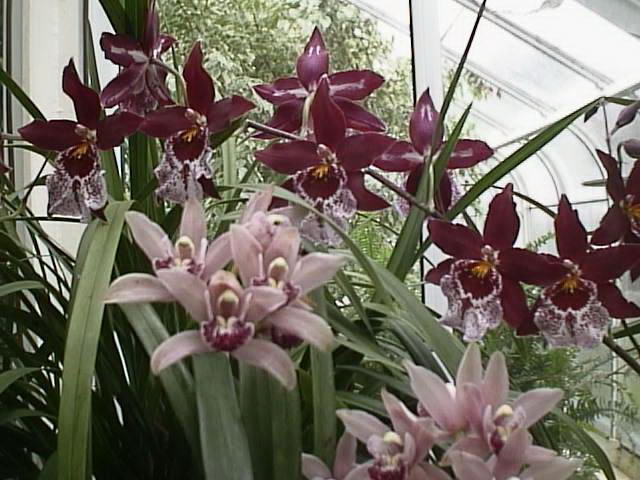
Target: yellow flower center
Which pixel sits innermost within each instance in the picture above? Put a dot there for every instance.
(481, 269)
(633, 211)
(320, 171)
(80, 150)
(570, 283)
(190, 134)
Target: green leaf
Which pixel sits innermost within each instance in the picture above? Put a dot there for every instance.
(272, 421)
(8, 416)
(229, 165)
(74, 419)
(20, 95)
(10, 376)
(19, 286)
(50, 468)
(116, 15)
(225, 450)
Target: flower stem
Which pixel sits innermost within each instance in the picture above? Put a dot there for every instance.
(182, 85)
(273, 131)
(401, 193)
(10, 136)
(622, 353)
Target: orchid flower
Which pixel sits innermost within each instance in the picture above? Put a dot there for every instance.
(577, 308)
(411, 156)
(345, 462)
(184, 171)
(140, 86)
(482, 281)
(328, 172)
(77, 187)
(190, 253)
(292, 95)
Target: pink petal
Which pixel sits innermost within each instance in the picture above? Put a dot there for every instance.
(281, 91)
(361, 472)
(468, 153)
(315, 269)
(455, 240)
(193, 223)
(358, 117)
(113, 129)
(268, 356)
(247, 254)
(470, 401)
(355, 84)
(615, 303)
(609, 263)
(612, 227)
(285, 244)
(626, 115)
(329, 124)
(502, 225)
(361, 425)
(615, 184)
(571, 236)
(359, 151)
(85, 100)
(470, 368)
(289, 157)
(557, 469)
(149, 236)
(166, 122)
(313, 468)
(367, 201)
(470, 467)
(314, 60)
(345, 456)
(258, 202)
(188, 290)
(537, 403)
(422, 126)
(137, 288)
(129, 82)
(218, 255)
(400, 157)
(469, 444)
(495, 387)
(303, 324)
(512, 456)
(432, 473)
(263, 301)
(175, 348)
(401, 418)
(200, 93)
(51, 135)
(122, 49)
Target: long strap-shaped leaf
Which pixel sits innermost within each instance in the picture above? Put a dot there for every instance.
(20, 95)
(10, 376)
(74, 420)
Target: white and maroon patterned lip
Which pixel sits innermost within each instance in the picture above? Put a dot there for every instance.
(388, 468)
(226, 335)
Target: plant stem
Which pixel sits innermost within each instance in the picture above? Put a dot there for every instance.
(622, 353)
(401, 193)
(10, 136)
(273, 131)
(630, 336)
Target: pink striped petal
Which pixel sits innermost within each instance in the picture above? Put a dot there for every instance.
(137, 288)
(193, 223)
(361, 425)
(258, 202)
(247, 254)
(345, 456)
(177, 347)
(313, 468)
(303, 324)
(537, 403)
(269, 357)
(149, 236)
(188, 290)
(470, 467)
(218, 255)
(316, 269)
(263, 301)
(470, 368)
(495, 387)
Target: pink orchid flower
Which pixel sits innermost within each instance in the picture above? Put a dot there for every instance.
(343, 466)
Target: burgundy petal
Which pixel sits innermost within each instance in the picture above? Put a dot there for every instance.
(635, 272)
(281, 91)
(571, 236)
(223, 111)
(290, 157)
(468, 153)
(287, 117)
(413, 179)
(514, 303)
(165, 122)
(129, 82)
(151, 28)
(113, 129)
(615, 184)
(355, 84)
(609, 263)
(359, 151)
(314, 61)
(502, 225)
(328, 120)
(122, 49)
(400, 157)
(435, 274)
(86, 101)
(633, 182)
(444, 193)
(528, 327)
(530, 267)
(422, 126)
(200, 92)
(367, 201)
(632, 147)
(358, 117)
(455, 240)
(618, 306)
(51, 135)
(612, 227)
(157, 85)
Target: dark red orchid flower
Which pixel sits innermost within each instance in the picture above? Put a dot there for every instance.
(577, 308)
(290, 94)
(328, 170)
(411, 156)
(77, 186)
(140, 87)
(622, 220)
(184, 170)
(482, 281)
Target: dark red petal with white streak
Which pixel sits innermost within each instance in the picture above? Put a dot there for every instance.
(358, 117)
(612, 227)
(329, 124)
(113, 129)
(86, 101)
(51, 135)
(130, 81)
(400, 157)
(355, 84)
(468, 153)
(503, 224)
(609, 263)
(613, 300)
(571, 236)
(166, 122)
(290, 157)
(514, 303)
(287, 117)
(615, 184)
(455, 240)
(122, 50)
(359, 151)
(314, 61)
(530, 267)
(436, 273)
(200, 92)
(422, 125)
(367, 201)
(281, 91)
